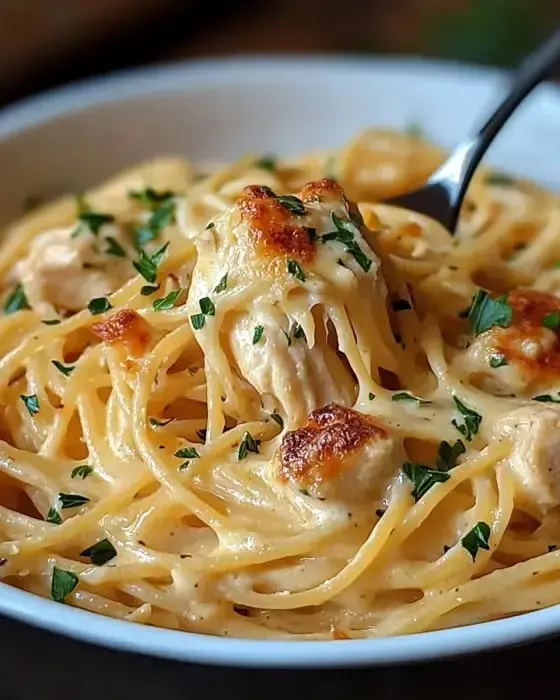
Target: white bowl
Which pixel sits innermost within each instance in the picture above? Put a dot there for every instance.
(71, 138)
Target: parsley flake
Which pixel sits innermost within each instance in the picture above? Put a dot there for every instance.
(267, 162)
(187, 453)
(500, 179)
(198, 321)
(100, 553)
(406, 396)
(53, 516)
(72, 500)
(222, 284)
(162, 216)
(485, 312)
(346, 230)
(471, 420)
(277, 418)
(476, 539)
(207, 306)
(248, 444)
(551, 321)
(148, 265)
(151, 198)
(51, 322)
(148, 289)
(99, 305)
(546, 398)
(167, 302)
(31, 403)
(448, 455)
(83, 471)
(62, 584)
(114, 248)
(423, 478)
(155, 423)
(497, 360)
(65, 369)
(258, 334)
(294, 268)
(371, 396)
(293, 204)
(16, 301)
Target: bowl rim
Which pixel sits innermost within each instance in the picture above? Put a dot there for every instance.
(180, 77)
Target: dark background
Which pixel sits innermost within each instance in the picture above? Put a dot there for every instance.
(48, 42)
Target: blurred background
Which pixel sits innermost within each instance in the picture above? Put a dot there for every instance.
(47, 42)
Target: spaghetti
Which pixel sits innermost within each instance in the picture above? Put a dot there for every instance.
(231, 409)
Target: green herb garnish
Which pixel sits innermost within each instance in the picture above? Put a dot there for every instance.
(248, 444)
(148, 265)
(471, 420)
(115, 248)
(155, 423)
(148, 289)
(187, 453)
(500, 179)
(294, 268)
(198, 321)
(546, 398)
(167, 302)
(405, 396)
(207, 306)
(31, 403)
(423, 478)
(150, 198)
(551, 321)
(51, 322)
(476, 539)
(16, 301)
(448, 454)
(53, 516)
(485, 312)
(62, 584)
(293, 204)
(267, 162)
(258, 334)
(497, 360)
(83, 471)
(99, 306)
(371, 396)
(100, 553)
(346, 230)
(72, 500)
(277, 418)
(222, 284)
(65, 369)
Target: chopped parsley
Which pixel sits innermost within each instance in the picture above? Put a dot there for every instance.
(198, 321)
(547, 398)
(485, 312)
(187, 453)
(470, 422)
(405, 396)
(448, 454)
(267, 162)
(293, 204)
(371, 396)
(258, 334)
(148, 289)
(346, 230)
(423, 478)
(72, 500)
(62, 584)
(401, 305)
(500, 179)
(51, 321)
(248, 444)
(476, 539)
(114, 248)
(222, 285)
(167, 302)
(207, 306)
(31, 403)
(298, 332)
(65, 369)
(294, 268)
(277, 418)
(155, 423)
(100, 553)
(53, 516)
(551, 321)
(16, 301)
(497, 360)
(148, 265)
(209, 226)
(90, 220)
(83, 471)
(163, 214)
(150, 198)
(414, 130)
(99, 305)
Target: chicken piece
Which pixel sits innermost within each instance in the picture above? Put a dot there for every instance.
(341, 454)
(298, 270)
(64, 271)
(524, 358)
(535, 459)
